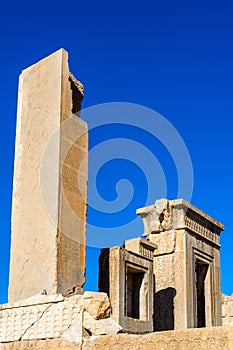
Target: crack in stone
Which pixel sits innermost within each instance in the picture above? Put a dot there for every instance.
(65, 330)
(42, 314)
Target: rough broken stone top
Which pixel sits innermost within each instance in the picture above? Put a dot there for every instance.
(78, 85)
(167, 215)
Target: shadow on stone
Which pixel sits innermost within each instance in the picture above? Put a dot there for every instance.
(164, 309)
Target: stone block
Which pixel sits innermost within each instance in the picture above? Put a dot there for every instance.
(97, 304)
(49, 203)
(42, 317)
(100, 327)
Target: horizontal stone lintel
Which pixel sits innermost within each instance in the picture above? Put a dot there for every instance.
(169, 215)
(183, 204)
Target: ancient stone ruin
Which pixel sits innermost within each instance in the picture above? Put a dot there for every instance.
(48, 242)
(188, 296)
(162, 291)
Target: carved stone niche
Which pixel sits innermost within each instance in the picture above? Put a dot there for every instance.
(126, 275)
(186, 265)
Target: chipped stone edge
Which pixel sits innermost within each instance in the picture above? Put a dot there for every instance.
(34, 300)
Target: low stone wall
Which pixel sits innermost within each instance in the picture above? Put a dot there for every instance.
(57, 317)
(216, 338)
(227, 310)
(83, 323)
(46, 344)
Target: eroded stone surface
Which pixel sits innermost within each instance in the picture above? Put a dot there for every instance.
(127, 278)
(42, 317)
(166, 215)
(97, 304)
(227, 310)
(141, 246)
(100, 327)
(186, 265)
(50, 183)
(216, 338)
(54, 316)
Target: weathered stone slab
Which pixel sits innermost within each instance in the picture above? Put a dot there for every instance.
(42, 317)
(50, 182)
(54, 316)
(45, 344)
(216, 338)
(100, 327)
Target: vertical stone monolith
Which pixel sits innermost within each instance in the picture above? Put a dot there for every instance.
(50, 182)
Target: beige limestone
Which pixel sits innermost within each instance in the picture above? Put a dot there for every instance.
(55, 316)
(165, 214)
(100, 327)
(188, 241)
(48, 244)
(45, 344)
(42, 317)
(141, 246)
(227, 310)
(127, 278)
(97, 304)
(50, 182)
(215, 338)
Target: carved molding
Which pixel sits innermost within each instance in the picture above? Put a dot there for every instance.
(39, 321)
(201, 226)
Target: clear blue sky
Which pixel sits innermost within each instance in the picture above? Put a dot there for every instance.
(172, 56)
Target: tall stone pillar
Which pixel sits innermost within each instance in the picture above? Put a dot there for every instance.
(186, 265)
(50, 182)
